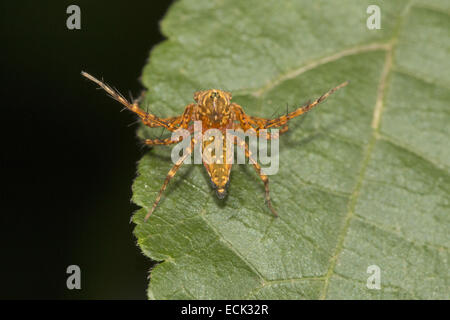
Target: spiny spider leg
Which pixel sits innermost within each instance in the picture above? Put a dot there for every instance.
(249, 122)
(168, 141)
(171, 121)
(241, 143)
(278, 122)
(147, 118)
(170, 175)
(214, 109)
(252, 125)
(161, 142)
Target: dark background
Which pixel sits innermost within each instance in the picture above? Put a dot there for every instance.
(68, 157)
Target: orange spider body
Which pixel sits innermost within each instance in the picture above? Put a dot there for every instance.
(215, 111)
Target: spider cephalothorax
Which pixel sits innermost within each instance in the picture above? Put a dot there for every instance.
(215, 111)
(213, 107)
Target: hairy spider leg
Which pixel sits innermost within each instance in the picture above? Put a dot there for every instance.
(161, 142)
(170, 175)
(241, 143)
(252, 125)
(147, 118)
(280, 121)
(249, 122)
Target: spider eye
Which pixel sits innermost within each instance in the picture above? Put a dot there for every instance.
(214, 95)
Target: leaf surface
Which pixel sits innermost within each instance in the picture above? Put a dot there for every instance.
(363, 181)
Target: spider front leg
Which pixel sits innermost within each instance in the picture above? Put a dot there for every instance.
(256, 133)
(147, 118)
(252, 125)
(171, 121)
(241, 143)
(282, 121)
(170, 175)
(181, 122)
(178, 121)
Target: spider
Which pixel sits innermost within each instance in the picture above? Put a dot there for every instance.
(215, 110)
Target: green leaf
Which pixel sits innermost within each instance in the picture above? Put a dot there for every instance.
(363, 181)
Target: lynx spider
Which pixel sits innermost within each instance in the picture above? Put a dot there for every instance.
(214, 109)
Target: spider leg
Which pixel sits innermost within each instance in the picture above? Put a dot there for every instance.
(171, 121)
(168, 141)
(169, 176)
(280, 121)
(269, 135)
(252, 125)
(161, 142)
(147, 118)
(249, 122)
(257, 167)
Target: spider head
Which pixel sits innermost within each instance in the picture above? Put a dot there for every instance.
(214, 104)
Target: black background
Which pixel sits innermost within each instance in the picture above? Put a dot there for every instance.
(68, 157)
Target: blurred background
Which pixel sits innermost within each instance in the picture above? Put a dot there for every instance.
(68, 155)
